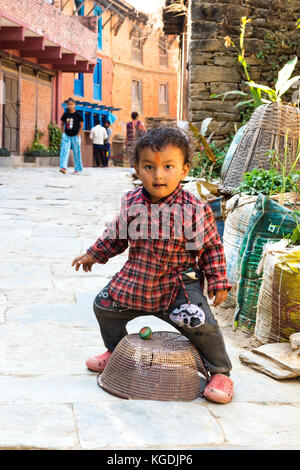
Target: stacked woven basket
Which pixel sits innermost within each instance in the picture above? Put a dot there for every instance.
(273, 126)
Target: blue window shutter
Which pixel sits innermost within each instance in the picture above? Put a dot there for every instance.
(97, 79)
(79, 85)
(98, 12)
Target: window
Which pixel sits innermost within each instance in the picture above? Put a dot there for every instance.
(136, 47)
(78, 84)
(163, 52)
(77, 5)
(97, 80)
(163, 99)
(98, 12)
(136, 96)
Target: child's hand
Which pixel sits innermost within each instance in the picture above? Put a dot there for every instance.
(86, 261)
(220, 296)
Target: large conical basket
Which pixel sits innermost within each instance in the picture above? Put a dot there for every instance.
(273, 126)
(165, 367)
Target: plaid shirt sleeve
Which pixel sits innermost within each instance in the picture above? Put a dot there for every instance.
(114, 239)
(213, 260)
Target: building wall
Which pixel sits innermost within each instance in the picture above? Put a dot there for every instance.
(44, 109)
(37, 96)
(35, 110)
(118, 71)
(27, 112)
(271, 40)
(149, 73)
(41, 17)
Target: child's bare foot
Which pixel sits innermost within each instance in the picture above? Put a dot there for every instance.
(219, 389)
(98, 363)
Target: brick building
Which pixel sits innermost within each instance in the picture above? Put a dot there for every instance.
(100, 52)
(137, 70)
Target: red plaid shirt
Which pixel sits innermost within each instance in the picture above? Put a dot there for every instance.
(151, 277)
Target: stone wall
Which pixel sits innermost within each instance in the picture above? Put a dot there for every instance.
(271, 40)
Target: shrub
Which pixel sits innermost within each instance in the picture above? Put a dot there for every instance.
(4, 152)
(204, 167)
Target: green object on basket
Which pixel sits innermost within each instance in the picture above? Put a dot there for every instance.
(145, 332)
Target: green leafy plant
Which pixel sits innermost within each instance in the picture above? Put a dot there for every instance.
(268, 182)
(4, 152)
(37, 149)
(209, 159)
(204, 167)
(283, 84)
(55, 134)
(259, 94)
(294, 237)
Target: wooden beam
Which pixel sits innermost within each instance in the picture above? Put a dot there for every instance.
(29, 44)
(91, 68)
(81, 66)
(78, 8)
(12, 33)
(49, 52)
(66, 59)
(19, 60)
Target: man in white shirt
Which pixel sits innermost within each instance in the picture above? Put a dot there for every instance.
(98, 134)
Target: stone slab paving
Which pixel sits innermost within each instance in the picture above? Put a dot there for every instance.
(48, 399)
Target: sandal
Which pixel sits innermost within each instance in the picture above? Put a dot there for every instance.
(98, 363)
(63, 170)
(219, 389)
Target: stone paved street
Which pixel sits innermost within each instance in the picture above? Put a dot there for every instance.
(48, 399)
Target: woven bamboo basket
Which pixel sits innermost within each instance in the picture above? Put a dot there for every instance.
(163, 368)
(273, 126)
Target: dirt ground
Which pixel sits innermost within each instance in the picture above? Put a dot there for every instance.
(237, 337)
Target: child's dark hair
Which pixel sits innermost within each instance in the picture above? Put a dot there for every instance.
(70, 99)
(134, 115)
(158, 139)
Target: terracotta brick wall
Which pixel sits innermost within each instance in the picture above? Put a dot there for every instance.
(27, 113)
(44, 110)
(28, 116)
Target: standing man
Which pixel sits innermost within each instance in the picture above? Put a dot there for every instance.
(72, 127)
(107, 142)
(98, 135)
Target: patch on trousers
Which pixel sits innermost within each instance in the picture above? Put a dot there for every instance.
(105, 301)
(188, 315)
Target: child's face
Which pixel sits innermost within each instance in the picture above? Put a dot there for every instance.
(71, 106)
(161, 172)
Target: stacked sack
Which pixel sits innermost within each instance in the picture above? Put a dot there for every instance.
(238, 209)
(269, 222)
(278, 309)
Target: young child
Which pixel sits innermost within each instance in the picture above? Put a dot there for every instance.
(72, 126)
(156, 279)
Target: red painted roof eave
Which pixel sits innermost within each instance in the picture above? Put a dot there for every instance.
(13, 38)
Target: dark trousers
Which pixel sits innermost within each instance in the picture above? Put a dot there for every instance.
(99, 151)
(107, 148)
(207, 338)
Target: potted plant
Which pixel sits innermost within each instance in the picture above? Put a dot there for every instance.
(5, 157)
(41, 154)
